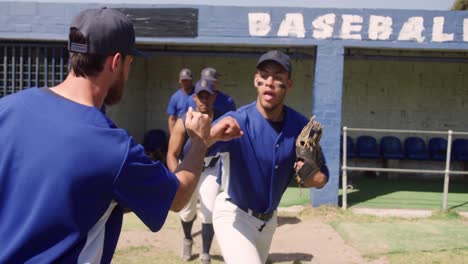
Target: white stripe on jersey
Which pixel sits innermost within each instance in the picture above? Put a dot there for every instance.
(92, 251)
(225, 171)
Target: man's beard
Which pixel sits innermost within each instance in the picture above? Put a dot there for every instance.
(116, 90)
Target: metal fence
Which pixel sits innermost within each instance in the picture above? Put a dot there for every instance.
(24, 65)
(445, 172)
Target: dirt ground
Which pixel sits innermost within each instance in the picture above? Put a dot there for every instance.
(297, 240)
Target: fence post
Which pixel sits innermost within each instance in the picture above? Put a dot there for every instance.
(344, 183)
(447, 169)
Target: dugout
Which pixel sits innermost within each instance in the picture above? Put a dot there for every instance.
(405, 89)
(230, 36)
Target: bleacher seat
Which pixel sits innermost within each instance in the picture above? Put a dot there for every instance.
(350, 149)
(460, 149)
(415, 149)
(438, 148)
(390, 148)
(366, 147)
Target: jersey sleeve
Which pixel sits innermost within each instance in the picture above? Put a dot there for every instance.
(146, 187)
(172, 106)
(231, 105)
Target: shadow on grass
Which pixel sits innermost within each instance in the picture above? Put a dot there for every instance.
(406, 193)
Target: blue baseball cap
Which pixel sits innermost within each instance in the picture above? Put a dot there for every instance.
(278, 57)
(209, 74)
(205, 85)
(106, 32)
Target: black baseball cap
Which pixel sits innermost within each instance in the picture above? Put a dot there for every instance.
(209, 74)
(185, 74)
(205, 85)
(278, 57)
(106, 32)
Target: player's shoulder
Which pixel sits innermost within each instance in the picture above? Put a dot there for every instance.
(245, 111)
(296, 118)
(177, 93)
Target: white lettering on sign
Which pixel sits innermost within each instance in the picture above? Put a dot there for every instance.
(292, 26)
(351, 23)
(438, 34)
(380, 27)
(323, 26)
(412, 30)
(465, 29)
(259, 24)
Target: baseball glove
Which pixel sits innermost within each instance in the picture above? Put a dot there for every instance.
(308, 151)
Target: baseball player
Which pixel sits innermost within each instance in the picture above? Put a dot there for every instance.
(204, 95)
(258, 166)
(224, 103)
(63, 202)
(178, 101)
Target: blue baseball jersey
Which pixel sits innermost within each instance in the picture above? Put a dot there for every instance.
(259, 165)
(66, 175)
(178, 103)
(223, 103)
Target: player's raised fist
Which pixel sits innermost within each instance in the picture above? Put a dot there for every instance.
(198, 126)
(225, 129)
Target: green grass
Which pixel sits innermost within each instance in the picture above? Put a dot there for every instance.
(407, 194)
(295, 196)
(377, 238)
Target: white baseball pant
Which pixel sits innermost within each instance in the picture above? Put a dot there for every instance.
(206, 191)
(238, 233)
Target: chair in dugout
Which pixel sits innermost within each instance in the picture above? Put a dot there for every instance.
(460, 149)
(350, 149)
(415, 149)
(392, 152)
(391, 148)
(155, 143)
(437, 148)
(367, 148)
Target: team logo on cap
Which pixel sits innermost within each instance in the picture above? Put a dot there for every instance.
(204, 83)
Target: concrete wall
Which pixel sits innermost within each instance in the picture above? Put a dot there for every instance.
(130, 112)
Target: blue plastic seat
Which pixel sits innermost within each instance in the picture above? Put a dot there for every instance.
(350, 150)
(391, 148)
(438, 148)
(460, 149)
(366, 147)
(415, 148)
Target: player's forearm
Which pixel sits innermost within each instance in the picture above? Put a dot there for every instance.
(171, 161)
(188, 172)
(171, 122)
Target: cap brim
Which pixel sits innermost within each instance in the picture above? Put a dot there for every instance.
(275, 61)
(138, 53)
(205, 90)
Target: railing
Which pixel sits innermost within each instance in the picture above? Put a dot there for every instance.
(445, 172)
